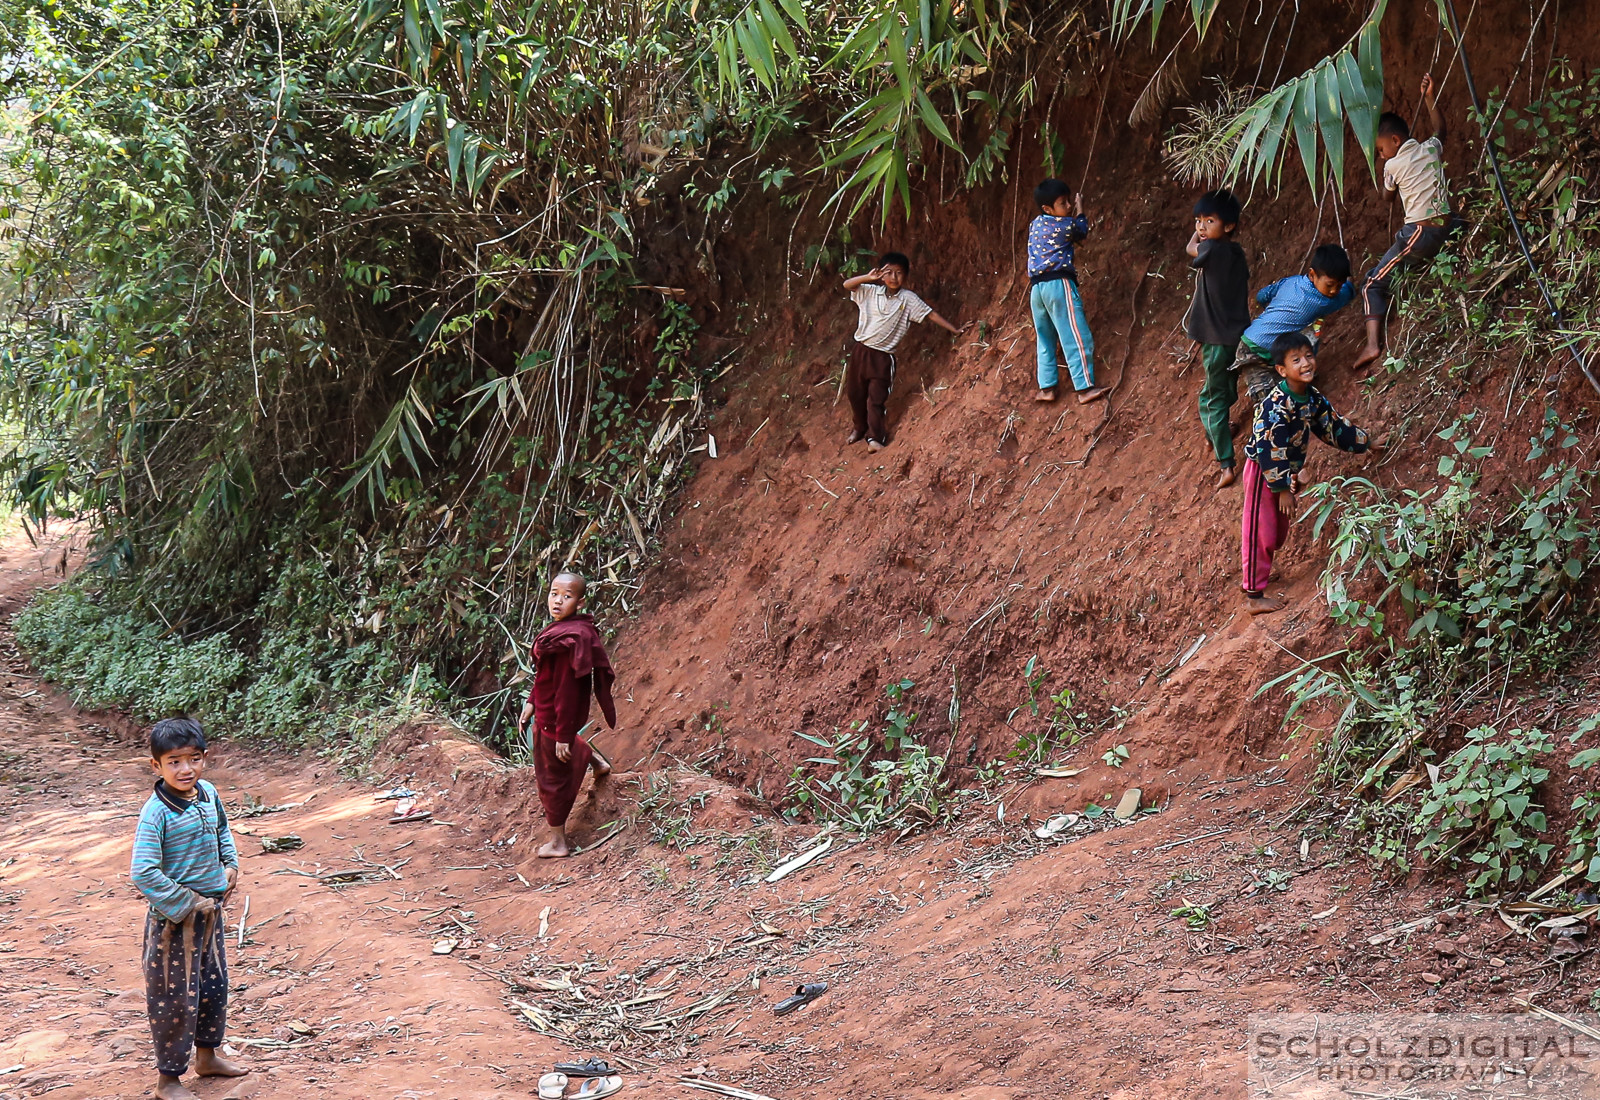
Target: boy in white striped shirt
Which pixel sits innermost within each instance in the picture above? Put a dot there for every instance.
(887, 310)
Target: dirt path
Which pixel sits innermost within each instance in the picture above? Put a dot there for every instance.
(390, 1018)
(976, 962)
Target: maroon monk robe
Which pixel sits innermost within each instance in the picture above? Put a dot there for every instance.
(570, 665)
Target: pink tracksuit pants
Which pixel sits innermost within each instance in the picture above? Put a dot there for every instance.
(1261, 531)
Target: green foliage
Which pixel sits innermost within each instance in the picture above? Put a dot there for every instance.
(1196, 917)
(1451, 595)
(903, 74)
(863, 789)
(1483, 809)
(1063, 726)
(295, 689)
(1477, 299)
(1487, 590)
(1345, 87)
(1583, 838)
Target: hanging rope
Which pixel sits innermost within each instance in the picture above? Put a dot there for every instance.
(1505, 200)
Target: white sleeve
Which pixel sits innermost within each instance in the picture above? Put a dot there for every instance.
(861, 293)
(1388, 176)
(916, 308)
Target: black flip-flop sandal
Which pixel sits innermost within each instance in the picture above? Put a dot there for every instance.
(589, 1067)
(803, 995)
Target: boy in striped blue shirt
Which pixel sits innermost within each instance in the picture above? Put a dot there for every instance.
(1294, 304)
(185, 864)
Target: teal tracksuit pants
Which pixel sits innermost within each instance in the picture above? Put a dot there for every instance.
(1058, 319)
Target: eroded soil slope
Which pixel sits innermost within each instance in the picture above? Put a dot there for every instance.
(803, 575)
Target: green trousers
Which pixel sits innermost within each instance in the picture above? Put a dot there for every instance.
(1217, 397)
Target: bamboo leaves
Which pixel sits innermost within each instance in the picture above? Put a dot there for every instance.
(1343, 88)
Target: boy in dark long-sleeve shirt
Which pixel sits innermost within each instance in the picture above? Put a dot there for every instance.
(1218, 316)
(1286, 418)
(571, 666)
(185, 865)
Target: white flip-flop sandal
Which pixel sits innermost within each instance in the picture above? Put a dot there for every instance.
(552, 1086)
(596, 1087)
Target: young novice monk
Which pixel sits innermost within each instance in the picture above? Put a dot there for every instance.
(571, 666)
(1057, 308)
(1292, 304)
(185, 864)
(1218, 316)
(886, 311)
(1286, 416)
(1414, 170)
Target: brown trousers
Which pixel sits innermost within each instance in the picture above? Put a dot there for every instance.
(867, 381)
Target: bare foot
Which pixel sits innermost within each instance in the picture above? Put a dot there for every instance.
(554, 849)
(1226, 477)
(874, 446)
(856, 437)
(1046, 394)
(1369, 355)
(1263, 605)
(170, 1088)
(207, 1064)
(599, 763)
(1092, 394)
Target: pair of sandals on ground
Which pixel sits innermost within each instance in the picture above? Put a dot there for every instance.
(599, 1079)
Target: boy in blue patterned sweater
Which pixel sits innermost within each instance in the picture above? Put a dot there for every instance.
(1287, 415)
(1057, 308)
(185, 864)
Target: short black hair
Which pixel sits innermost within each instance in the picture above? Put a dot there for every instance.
(1332, 261)
(1392, 125)
(898, 259)
(1221, 204)
(1289, 341)
(171, 734)
(1051, 190)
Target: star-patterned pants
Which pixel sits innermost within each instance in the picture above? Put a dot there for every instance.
(186, 986)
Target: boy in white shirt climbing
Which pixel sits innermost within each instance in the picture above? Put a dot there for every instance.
(1415, 171)
(886, 310)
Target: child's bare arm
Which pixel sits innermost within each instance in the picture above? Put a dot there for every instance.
(1193, 247)
(947, 326)
(1433, 107)
(873, 276)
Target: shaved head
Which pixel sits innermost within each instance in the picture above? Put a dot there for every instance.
(571, 579)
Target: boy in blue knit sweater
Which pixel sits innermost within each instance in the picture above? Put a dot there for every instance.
(185, 864)
(1294, 304)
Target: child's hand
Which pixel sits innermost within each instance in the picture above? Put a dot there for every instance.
(1077, 203)
(1427, 87)
(563, 751)
(205, 905)
(233, 880)
(1376, 447)
(875, 275)
(1301, 480)
(1285, 500)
